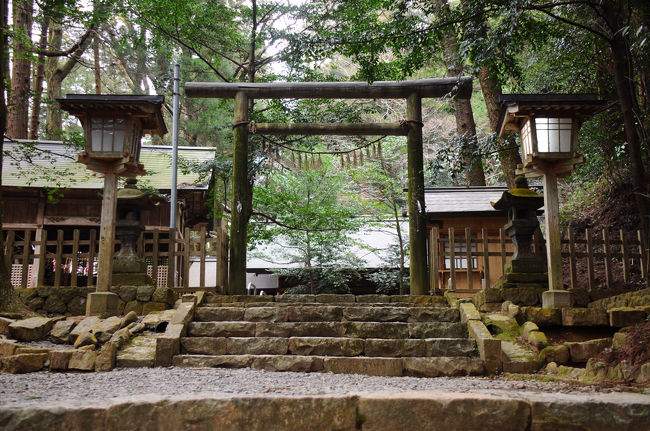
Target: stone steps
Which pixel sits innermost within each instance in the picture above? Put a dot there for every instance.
(328, 329)
(371, 334)
(329, 346)
(372, 366)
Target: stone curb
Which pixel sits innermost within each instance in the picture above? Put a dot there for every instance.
(169, 344)
(489, 348)
(426, 410)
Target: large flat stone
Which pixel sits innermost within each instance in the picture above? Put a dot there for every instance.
(419, 411)
(437, 330)
(584, 317)
(212, 314)
(443, 366)
(24, 363)
(82, 360)
(325, 346)
(299, 329)
(394, 347)
(329, 298)
(140, 352)
(376, 314)
(583, 351)
(627, 316)
(84, 326)
(257, 346)
(204, 345)
(450, 347)
(213, 361)
(266, 314)
(60, 332)
(306, 313)
(365, 366)
(295, 363)
(222, 329)
(543, 316)
(32, 329)
(375, 330)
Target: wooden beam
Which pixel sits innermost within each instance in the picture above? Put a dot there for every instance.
(107, 233)
(417, 221)
(340, 129)
(435, 87)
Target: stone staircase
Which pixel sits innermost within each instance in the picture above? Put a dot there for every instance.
(369, 334)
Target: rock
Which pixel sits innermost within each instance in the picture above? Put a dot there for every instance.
(127, 293)
(134, 306)
(25, 363)
(4, 325)
(60, 332)
(104, 330)
(527, 328)
(579, 297)
(443, 366)
(36, 303)
(55, 305)
(82, 360)
(32, 329)
(26, 294)
(377, 314)
(468, 312)
(120, 337)
(326, 346)
(77, 306)
(543, 316)
(620, 340)
(164, 295)
(537, 339)
(144, 293)
(84, 326)
(59, 359)
(23, 350)
(300, 364)
(584, 317)
(362, 365)
(643, 374)
(129, 318)
(105, 360)
(627, 316)
(154, 318)
(555, 354)
(168, 345)
(140, 352)
(257, 346)
(135, 328)
(8, 347)
(311, 314)
(582, 351)
(266, 314)
(150, 307)
(85, 339)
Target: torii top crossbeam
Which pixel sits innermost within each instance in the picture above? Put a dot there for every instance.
(434, 87)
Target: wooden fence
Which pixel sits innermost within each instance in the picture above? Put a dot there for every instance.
(72, 260)
(592, 259)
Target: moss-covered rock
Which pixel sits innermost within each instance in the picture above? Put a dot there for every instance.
(557, 354)
(537, 339)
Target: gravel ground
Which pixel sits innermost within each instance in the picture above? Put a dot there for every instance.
(19, 389)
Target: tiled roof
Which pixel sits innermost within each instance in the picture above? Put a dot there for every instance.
(54, 165)
(461, 200)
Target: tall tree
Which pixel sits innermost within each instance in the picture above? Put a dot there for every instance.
(23, 11)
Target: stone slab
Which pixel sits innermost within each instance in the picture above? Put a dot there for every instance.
(557, 299)
(437, 330)
(468, 312)
(365, 366)
(326, 346)
(376, 329)
(24, 363)
(32, 329)
(222, 329)
(395, 348)
(443, 366)
(627, 316)
(450, 347)
(583, 351)
(305, 313)
(257, 346)
(376, 314)
(266, 314)
(212, 314)
(584, 317)
(102, 304)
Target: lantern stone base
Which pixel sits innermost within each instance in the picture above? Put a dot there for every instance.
(556, 299)
(102, 304)
(526, 265)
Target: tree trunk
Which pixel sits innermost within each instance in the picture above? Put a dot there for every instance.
(6, 291)
(21, 70)
(39, 76)
(508, 149)
(97, 66)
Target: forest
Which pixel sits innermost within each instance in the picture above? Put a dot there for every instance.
(315, 192)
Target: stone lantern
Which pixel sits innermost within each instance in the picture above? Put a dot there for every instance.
(548, 125)
(113, 126)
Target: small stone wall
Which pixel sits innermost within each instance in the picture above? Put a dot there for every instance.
(636, 298)
(71, 301)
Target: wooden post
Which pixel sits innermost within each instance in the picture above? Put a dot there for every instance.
(58, 258)
(240, 198)
(9, 248)
(434, 263)
(26, 249)
(502, 245)
(452, 258)
(468, 256)
(416, 210)
(590, 259)
(187, 252)
(552, 225)
(75, 258)
(486, 257)
(40, 221)
(607, 258)
(642, 257)
(572, 259)
(171, 258)
(202, 258)
(42, 257)
(107, 233)
(154, 256)
(92, 244)
(625, 256)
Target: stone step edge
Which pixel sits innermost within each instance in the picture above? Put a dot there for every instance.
(329, 298)
(324, 304)
(364, 365)
(332, 346)
(364, 411)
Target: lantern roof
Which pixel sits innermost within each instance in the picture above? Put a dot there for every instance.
(145, 107)
(515, 107)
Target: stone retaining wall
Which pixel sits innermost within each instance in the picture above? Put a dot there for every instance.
(414, 411)
(71, 301)
(630, 299)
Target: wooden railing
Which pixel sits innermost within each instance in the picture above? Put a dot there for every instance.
(593, 260)
(72, 261)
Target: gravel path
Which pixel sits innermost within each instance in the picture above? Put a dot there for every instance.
(19, 389)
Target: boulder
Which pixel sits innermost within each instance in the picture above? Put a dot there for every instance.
(153, 319)
(144, 293)
(627, 316)
(127, 293)
(36, 303)
(4, 325)
(527, 328)
(557, 354)
(8, 347)
(537, 339)
(443, 366)
(583, 351)
(133, 306)
(24, 363)
(584, 317)
(32, 329)
(164, 295)
(621, 340)
(149, 307)
(105, 360)
(77, 306)
(86, 338)
(120, 337)
(543, 316)
(104, 330)
(82, 360)
(60, 332)
(85, 325)
(129, 318)
(59, 359)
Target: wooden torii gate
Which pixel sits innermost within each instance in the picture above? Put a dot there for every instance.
(413, 91)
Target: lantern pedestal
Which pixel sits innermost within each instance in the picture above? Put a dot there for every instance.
(556, 299)
(102, 304)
